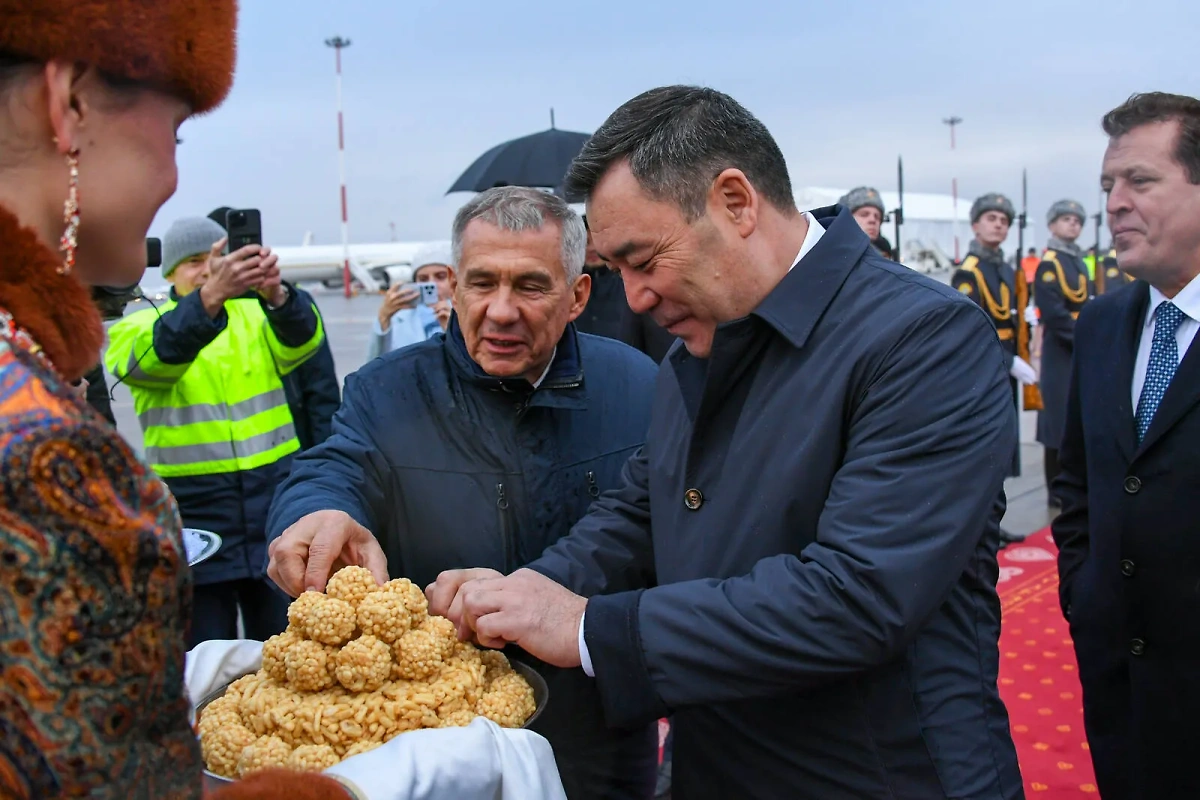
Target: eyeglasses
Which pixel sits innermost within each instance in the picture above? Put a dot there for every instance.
(585, 225)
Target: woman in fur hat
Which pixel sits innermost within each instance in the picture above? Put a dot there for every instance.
(95, 591)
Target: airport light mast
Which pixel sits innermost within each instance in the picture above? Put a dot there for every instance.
(953, 122)
(338, 43)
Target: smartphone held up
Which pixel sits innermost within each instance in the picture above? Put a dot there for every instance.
(428, 291)
(244, 226)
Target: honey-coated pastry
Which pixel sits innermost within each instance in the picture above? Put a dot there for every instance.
(351, 585)
(364, 664)
(222, 748)
(266, 753)
(385, 616)
(356, 668)
(418, 656)
(508, 702)
(323, 619)
(414, 598)
(313, 758)
(275, 650)
(310, 666)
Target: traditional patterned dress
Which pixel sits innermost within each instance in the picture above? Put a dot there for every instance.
(95, 591)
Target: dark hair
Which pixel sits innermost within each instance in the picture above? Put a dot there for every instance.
(1143, 109)
(15, 66)
(678, 139)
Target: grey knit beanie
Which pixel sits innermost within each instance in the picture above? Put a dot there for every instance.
(188, 237)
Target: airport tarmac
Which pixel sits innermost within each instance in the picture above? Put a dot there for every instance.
(348, 325)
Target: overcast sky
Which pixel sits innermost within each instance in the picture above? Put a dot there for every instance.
(844, 88)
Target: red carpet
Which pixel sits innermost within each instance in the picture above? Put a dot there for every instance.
(1038, 677)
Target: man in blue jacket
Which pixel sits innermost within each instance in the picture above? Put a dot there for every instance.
(800, 565)
(485, 445)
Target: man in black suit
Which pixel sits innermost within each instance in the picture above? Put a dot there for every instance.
(1129, 535)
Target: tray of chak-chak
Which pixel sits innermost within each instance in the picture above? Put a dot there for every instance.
(358, 665)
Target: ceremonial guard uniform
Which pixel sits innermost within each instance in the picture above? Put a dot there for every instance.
(1110, 276)
(985, 277)
(1061, 289)
(867, 197)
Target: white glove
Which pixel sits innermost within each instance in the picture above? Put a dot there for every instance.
(1022, 371)
(479, 762)
(1031, 316)
(211, 665)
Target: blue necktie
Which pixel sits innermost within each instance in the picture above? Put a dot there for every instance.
(1164, 360)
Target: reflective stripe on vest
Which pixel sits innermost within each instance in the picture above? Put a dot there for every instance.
(226, 410)
(247, 452)
(134, 372)
(213, 412)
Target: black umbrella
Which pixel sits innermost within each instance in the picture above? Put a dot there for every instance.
(538, 160)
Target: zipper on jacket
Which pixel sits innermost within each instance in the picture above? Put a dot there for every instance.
(523, 406)
(593, 489)
(505, 529)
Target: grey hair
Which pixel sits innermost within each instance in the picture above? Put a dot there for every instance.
(517, 208)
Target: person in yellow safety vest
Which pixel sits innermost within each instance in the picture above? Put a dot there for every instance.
(204, 370)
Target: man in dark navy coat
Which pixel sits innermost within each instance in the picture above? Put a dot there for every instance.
(1061, 288)
(795, 565)
(1129, 533)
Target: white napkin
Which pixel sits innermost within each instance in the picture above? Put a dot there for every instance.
(210, 665)
(479, 762)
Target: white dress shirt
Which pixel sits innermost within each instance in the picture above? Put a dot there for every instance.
(546, 371)
(1187, 301)
(814, 234)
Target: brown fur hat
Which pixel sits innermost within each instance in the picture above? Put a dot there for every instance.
(185, 47)
(282, 784)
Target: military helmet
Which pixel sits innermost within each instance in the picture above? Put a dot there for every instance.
(860, 198)
(1063, 208)
(992, 201)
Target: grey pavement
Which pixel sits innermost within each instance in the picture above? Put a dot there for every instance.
(348, 324)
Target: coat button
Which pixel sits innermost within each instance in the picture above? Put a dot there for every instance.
(693, 499)
(1127, 568)
(1137, 647)
(1133, 485)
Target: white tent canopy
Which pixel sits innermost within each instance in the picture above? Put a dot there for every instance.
(927, 237)
(918, 207)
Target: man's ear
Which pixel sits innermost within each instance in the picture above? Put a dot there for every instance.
(580, 292)
(733, 198)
